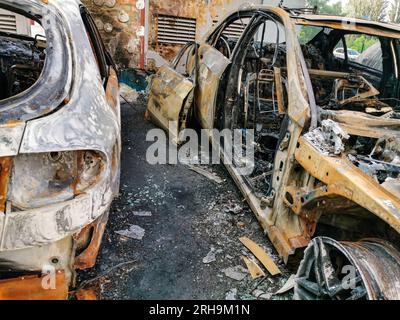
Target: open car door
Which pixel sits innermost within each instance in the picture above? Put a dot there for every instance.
(212, 65)
(172, 92)
(214, 58)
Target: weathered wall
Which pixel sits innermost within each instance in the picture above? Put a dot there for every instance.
(204, 11)
(118, 22)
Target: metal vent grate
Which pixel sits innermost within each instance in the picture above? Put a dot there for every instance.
(176, 30)
(8, 23)
(235, 29)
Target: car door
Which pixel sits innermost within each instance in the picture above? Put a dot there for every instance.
(214, 58)
(172, 92)
(212, 65)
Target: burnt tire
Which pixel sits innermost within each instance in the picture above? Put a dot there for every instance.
(364, 270)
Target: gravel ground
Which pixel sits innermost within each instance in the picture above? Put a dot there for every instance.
(191, 239)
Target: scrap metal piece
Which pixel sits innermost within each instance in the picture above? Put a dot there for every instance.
(289, 285)
(32, 288)
(261, 255)
(5, 170)
(254, 269)
(328, 138)
(170, 92)
(346, 180)
(279, 90)
(237, 273)
(369, 269)
(209, 175)
(87, 259)
(134, 232)
(362, 124)
(86, 294)
(364, 89)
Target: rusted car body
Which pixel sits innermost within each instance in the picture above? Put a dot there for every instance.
(327, 138)
(59, 149)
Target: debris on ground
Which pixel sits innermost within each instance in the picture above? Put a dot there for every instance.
(254, 269)
(86, 294)
(259, 294)
(236, 273)
(261, 255)
(190, 216)
(233, 208)
(241, 224)
(289, 285)
(136, 79)
(142, 213)
(134, 232)
(210, 175)
(128, 94)
(210, 257)
(231, 294)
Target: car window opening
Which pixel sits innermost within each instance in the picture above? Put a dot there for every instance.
(22, 53)
(228, 35)
(356, 74)
(352, 71)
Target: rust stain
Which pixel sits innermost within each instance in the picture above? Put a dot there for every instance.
(5, 172)
(87, 259)
(344, 179)
(12, 123)
(79, 168)
(86, 294)
(31, 288)
(205, 13)
(114, 160)
(112, 89)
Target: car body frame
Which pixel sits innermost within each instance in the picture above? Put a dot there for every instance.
(316, 181)
(60, 147)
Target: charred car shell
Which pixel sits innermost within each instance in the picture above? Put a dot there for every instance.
(327, 141)
(60, 151)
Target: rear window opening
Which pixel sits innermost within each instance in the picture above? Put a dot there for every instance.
(22, 53)
(353, 71)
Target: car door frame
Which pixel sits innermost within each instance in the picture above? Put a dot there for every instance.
(212, 65)
(171, 95)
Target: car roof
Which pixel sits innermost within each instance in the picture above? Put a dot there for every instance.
(348, 20)
(336, 22)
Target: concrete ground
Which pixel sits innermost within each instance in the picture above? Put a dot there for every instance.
(191, 217)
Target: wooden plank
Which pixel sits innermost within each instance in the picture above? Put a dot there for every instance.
(261, 255)
(254, 269)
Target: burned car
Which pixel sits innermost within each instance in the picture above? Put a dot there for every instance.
(59, 146)
(327, 140)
